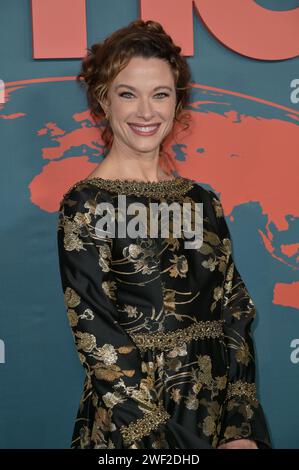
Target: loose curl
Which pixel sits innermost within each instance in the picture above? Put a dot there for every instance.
(104, 60)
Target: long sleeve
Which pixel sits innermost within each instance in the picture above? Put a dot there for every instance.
(242, 416)
(125, 404)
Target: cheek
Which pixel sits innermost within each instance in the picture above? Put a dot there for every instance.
(118, 113)
(119, 110)
(118, 121)
(170, 111)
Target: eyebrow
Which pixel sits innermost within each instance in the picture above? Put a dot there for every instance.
(134, 89)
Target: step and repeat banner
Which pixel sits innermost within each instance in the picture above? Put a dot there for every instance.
(244, 145)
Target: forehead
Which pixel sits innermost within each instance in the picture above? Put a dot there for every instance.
(145, 70)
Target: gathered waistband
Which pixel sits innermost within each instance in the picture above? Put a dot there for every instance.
(171, 339)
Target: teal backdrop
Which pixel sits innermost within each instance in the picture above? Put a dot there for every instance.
(244, 147)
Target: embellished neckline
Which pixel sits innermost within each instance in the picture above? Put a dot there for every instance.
(134, 181)
(176, 186)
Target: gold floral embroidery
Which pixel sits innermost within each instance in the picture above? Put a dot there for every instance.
(72, 231)
(217, 296)
(72, 242)
(86, 341)
(172, 339)
(243, 354)
(112, 399)
(102, 424)
(209, 426)
(110, 373)
(71, 298)
(131, 311)
(105, 257)
(72, 317)
(179, 266)
(107, 354)
(217, 293)
(87, 314)
(211, 238)
(143, 255)
(143, 426)
(192, 402)
(242, 388)
(168, 300)
(205, 249)
(218, 207)
(176, 395)
(82, 219)
(109, 287)
(209, 264)
(202, 378)
(241, 346)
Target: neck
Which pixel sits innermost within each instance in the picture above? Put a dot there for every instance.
(124, 167)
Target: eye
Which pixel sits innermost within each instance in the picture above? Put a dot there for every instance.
(163, 94)
(125, 93)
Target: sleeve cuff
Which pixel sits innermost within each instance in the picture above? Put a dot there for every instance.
(136, 430)
(243, 416)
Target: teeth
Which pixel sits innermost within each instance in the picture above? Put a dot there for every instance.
(144, 129)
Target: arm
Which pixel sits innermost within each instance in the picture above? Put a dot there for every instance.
(111, 360)
(242, 416)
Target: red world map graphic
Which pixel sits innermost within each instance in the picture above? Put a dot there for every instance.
(246, 158)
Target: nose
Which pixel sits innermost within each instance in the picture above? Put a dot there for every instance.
(145, 109)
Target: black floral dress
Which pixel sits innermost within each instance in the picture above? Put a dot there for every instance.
(162, 331)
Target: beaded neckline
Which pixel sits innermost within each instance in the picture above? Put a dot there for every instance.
(176, 186)
(139, 182)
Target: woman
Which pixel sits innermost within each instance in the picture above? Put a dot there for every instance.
(162, 331)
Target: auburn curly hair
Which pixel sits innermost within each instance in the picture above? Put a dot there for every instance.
(104, 60)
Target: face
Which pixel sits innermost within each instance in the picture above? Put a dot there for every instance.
(141, 105)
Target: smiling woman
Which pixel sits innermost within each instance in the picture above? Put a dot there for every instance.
(162, 331)
(144, 111)
(140, 82)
